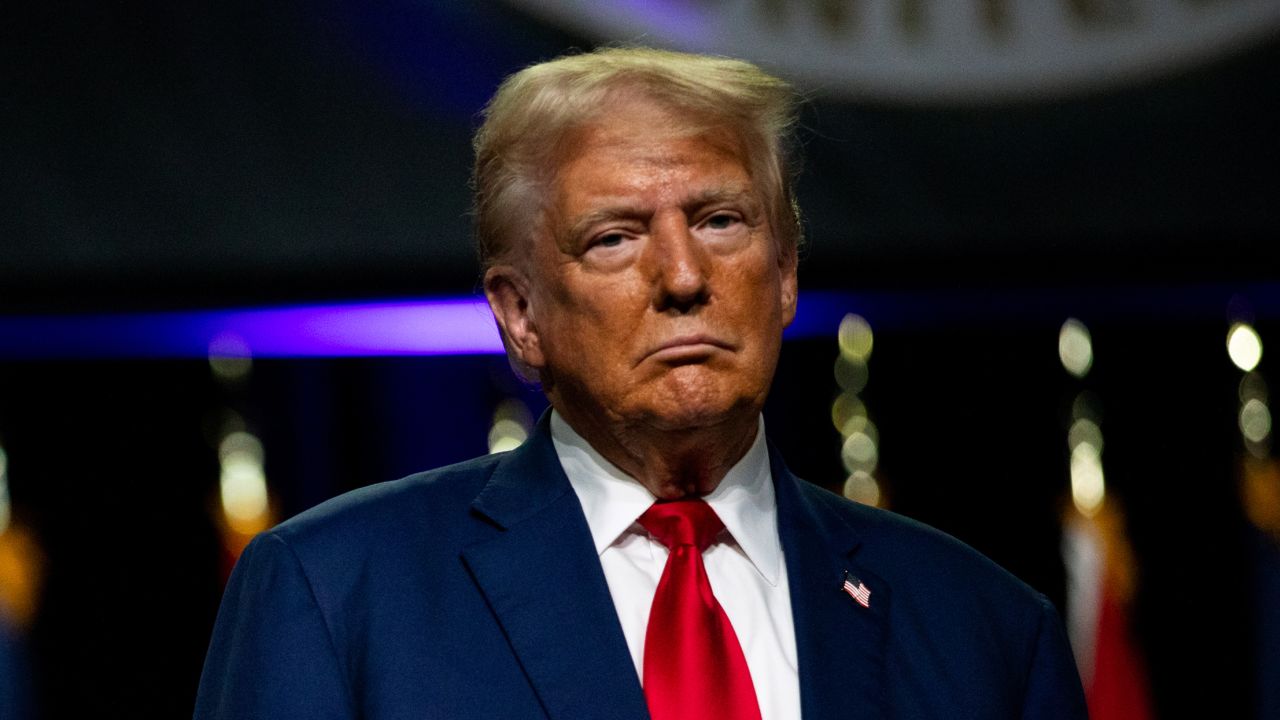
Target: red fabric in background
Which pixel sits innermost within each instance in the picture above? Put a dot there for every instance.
(1119, 688)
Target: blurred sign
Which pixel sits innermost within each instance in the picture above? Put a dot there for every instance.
(935, 50)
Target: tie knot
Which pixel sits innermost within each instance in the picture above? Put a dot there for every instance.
(682, 522)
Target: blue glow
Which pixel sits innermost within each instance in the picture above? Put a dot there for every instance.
(464, 326)
(453, 326)
(446, 326)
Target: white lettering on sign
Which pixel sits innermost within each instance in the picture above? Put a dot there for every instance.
(936, 50)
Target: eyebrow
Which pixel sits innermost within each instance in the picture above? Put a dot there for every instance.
(710, 196)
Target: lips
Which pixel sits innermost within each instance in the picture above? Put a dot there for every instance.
(687, 348)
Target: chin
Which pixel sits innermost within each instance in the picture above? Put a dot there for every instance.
(686, 417)
(701, 407)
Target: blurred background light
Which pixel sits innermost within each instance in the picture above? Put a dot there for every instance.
(463, 325)
(1253, 387)
(1259, 450)
(1260, 493)
(851, 374)
(5, 511)
(243, 483)
(506, 435)
(862, 487)
(1084, 431)
(229, 338)
(859, 452)
(440, 326)
(1255, 420)
(1244, 346)
(855, 338)
(847, 409)
(241, 443)
(1075, 347)
(147, 172)
(512, 423)
(22, 563)
(1088, 487)
(230, 357)
(862, 425)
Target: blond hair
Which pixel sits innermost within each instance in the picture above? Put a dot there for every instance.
(535, 109)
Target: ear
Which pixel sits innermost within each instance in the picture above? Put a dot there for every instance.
(789, 286)
(508, 290)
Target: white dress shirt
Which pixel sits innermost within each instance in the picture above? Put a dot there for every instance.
(745, 565)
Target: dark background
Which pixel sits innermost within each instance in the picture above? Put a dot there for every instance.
(211, 152)
(186, 155)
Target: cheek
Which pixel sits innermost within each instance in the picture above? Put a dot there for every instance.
(759, 286)
(590, 331)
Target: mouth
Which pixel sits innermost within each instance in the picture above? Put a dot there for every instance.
(687, 349)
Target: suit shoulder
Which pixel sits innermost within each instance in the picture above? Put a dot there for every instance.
(909, 552)
(427, 499)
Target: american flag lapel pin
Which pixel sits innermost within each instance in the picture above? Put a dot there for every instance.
(856, 589)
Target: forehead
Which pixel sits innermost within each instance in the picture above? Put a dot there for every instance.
(641, 146)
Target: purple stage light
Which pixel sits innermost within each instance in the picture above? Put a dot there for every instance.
(454, 326)
(465, 326)
(445, 326)
(430, 327)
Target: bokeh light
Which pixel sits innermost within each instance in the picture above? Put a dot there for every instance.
(230, 357)
(1255, 420)
(851, 374)
(1085, 431)
(243, 482)
(1088, 487)
(1244, 346)
(855, 337)
(859, 452)
(862, 424)
(506, 434)
(512, 423)
(1075, 347)
(1253, 387)
(5, 510)
(862, 487)
(847, 409)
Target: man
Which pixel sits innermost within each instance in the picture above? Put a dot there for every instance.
(644, 552)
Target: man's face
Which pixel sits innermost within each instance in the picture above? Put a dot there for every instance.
(656, 293)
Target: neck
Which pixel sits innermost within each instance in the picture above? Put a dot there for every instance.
(670, 462)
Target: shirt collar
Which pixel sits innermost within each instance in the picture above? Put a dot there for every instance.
(612, 500)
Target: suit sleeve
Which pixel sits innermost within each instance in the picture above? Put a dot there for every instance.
(271, 655)
(1053, 683)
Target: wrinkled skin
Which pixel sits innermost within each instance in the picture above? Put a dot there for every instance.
(653, 298)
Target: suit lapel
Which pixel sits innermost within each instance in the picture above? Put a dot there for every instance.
(839, 643)
(543, 581)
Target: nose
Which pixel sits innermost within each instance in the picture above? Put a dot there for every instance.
(680, 266)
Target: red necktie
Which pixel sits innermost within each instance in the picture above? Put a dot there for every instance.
(694, 668)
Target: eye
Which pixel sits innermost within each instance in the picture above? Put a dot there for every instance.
(610, 250)
(722, 221)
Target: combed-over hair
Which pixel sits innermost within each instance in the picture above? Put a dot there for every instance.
(535, 108)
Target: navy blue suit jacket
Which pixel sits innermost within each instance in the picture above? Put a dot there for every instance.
(474, 591)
